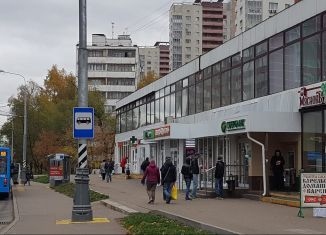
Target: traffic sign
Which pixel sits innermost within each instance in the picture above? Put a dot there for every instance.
(83, 123)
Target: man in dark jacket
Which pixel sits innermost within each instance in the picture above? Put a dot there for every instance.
(152, 176)
(277, 166)
(144, 165)
(169, 177)
(219, 174)
(187, 175)
(195, 173)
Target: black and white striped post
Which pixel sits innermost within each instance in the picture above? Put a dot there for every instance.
(82, 210)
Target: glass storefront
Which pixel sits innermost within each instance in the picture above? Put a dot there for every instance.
(313, 139)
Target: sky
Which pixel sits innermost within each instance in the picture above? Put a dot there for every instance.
(36, 34)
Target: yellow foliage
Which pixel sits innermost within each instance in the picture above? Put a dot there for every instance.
(148, 79)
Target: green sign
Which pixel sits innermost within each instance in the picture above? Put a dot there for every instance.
(149, 134)
(133, 140)
(233, 125)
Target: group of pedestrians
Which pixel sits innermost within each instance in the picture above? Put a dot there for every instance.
(106, 170)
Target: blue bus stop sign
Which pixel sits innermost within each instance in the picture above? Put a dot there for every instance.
(83, 123)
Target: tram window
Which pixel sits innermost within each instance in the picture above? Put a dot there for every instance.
(3, 165)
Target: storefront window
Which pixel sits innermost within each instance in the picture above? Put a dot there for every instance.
(248, 81)
(117, 123)
(312, 141)
(276, 41)
(162, 109)
(148, 116)
(261, 77)
(225, 88)
(172, 105)
(292, 34)
(207, 94)
(167, 106)
(123, 122)
(311, 60)
(192, 100)
(216, 91)
(276, 71)
(236, 85)
(129, 120)
(261, 48)
(248, 54)
(142, 111)
(178, 101)
(135, 118)
(152, 112)
(311, 26)
(324, 54)
(157, 111)
(199, 97)
(185, 102)
(292, 66)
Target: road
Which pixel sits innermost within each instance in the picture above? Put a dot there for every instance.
(6, 211)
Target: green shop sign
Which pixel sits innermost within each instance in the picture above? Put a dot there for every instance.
(233, 125)
(149, 134)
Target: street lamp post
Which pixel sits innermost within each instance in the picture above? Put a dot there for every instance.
(23, 173)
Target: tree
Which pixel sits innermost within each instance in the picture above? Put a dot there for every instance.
(148, 79)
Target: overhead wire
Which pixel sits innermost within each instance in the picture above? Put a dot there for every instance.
(147, 25)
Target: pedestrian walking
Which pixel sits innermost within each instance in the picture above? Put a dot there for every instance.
(187, 175)
(195, 174)
(219, 174)
(102, 169)
(144, 164)
(28, 177)
(169, 177)
(277, 167)
(152, 177)
(109, 166)
(123, 164)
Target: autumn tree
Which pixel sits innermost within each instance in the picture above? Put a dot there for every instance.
(148, 79)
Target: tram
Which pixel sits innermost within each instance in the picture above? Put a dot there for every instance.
(5, 171)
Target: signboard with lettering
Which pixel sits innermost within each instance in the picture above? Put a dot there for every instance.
(312, 96)
(157, 133)
(233, 125)
(313, 190)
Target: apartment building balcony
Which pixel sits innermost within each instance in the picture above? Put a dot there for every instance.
(118, 88)
(104, 74)
(210, 23)
(164, 59)
(220, 31)
(213, 16)
(212, 38)
(209, 46)
(111, 60)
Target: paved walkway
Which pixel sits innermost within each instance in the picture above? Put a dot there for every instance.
(40, 207)
(238, 215)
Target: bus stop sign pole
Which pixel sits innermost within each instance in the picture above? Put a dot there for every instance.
(82, 210)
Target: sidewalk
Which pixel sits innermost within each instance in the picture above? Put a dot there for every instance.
(238, 215)
(40, 207)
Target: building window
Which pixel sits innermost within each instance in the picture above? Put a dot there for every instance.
(199, 97)
(311, 60)
(188, 57)
(276, 71)
(236, 85)
(248, 81)
(135, 118)
(172, 104)
(178, 103)
(184, 102)
(192, 99)
(188, 18)
(142, 111)
(207, 94)
(311, 26)
(261, 76)
(226, 86)
(276, 41)
(292, 66)
(157, 111)
(248, 54)
(261, 48)
(324, 56)
(188, 40)
(292, 34)
(162, 109)
(216, 87)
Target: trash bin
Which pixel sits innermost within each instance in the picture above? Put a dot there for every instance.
(231, 183)
(59, 169)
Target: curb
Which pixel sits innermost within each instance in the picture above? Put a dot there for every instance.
(118, 207)
(193, 223)
(16, 215)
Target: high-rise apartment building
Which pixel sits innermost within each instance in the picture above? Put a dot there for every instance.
(185, 33)
(112, 68)
(195, 28)
(229, 20)
(154, 59)
(251, 12)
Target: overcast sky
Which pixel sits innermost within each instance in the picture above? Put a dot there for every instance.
(35, 34)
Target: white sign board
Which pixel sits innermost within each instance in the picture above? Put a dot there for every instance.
(313, 190)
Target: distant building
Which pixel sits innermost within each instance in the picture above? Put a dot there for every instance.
(229, 20)
(154, 58)
(251, 12)
(112, 68)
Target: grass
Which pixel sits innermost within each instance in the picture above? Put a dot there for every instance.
(141, 223)
(44, 179)
(68, 189)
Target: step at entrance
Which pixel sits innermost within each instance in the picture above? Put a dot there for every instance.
(283, 198)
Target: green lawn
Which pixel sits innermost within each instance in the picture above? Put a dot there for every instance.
(68, 189)
(140, 223)
(44, 179)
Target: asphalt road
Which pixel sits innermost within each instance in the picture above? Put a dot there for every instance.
(6, 211)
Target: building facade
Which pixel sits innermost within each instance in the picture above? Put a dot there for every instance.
(164, 57)
(112, 68)
(261, 91)
(185, 33)
(251, 12)
(149, 60)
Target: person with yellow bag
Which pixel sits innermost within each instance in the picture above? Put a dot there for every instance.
(169, 177)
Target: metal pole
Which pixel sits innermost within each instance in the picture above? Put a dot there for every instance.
(12, 140)
(82, 210)
(23, 176)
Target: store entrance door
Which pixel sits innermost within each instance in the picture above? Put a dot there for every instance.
(244, 148)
